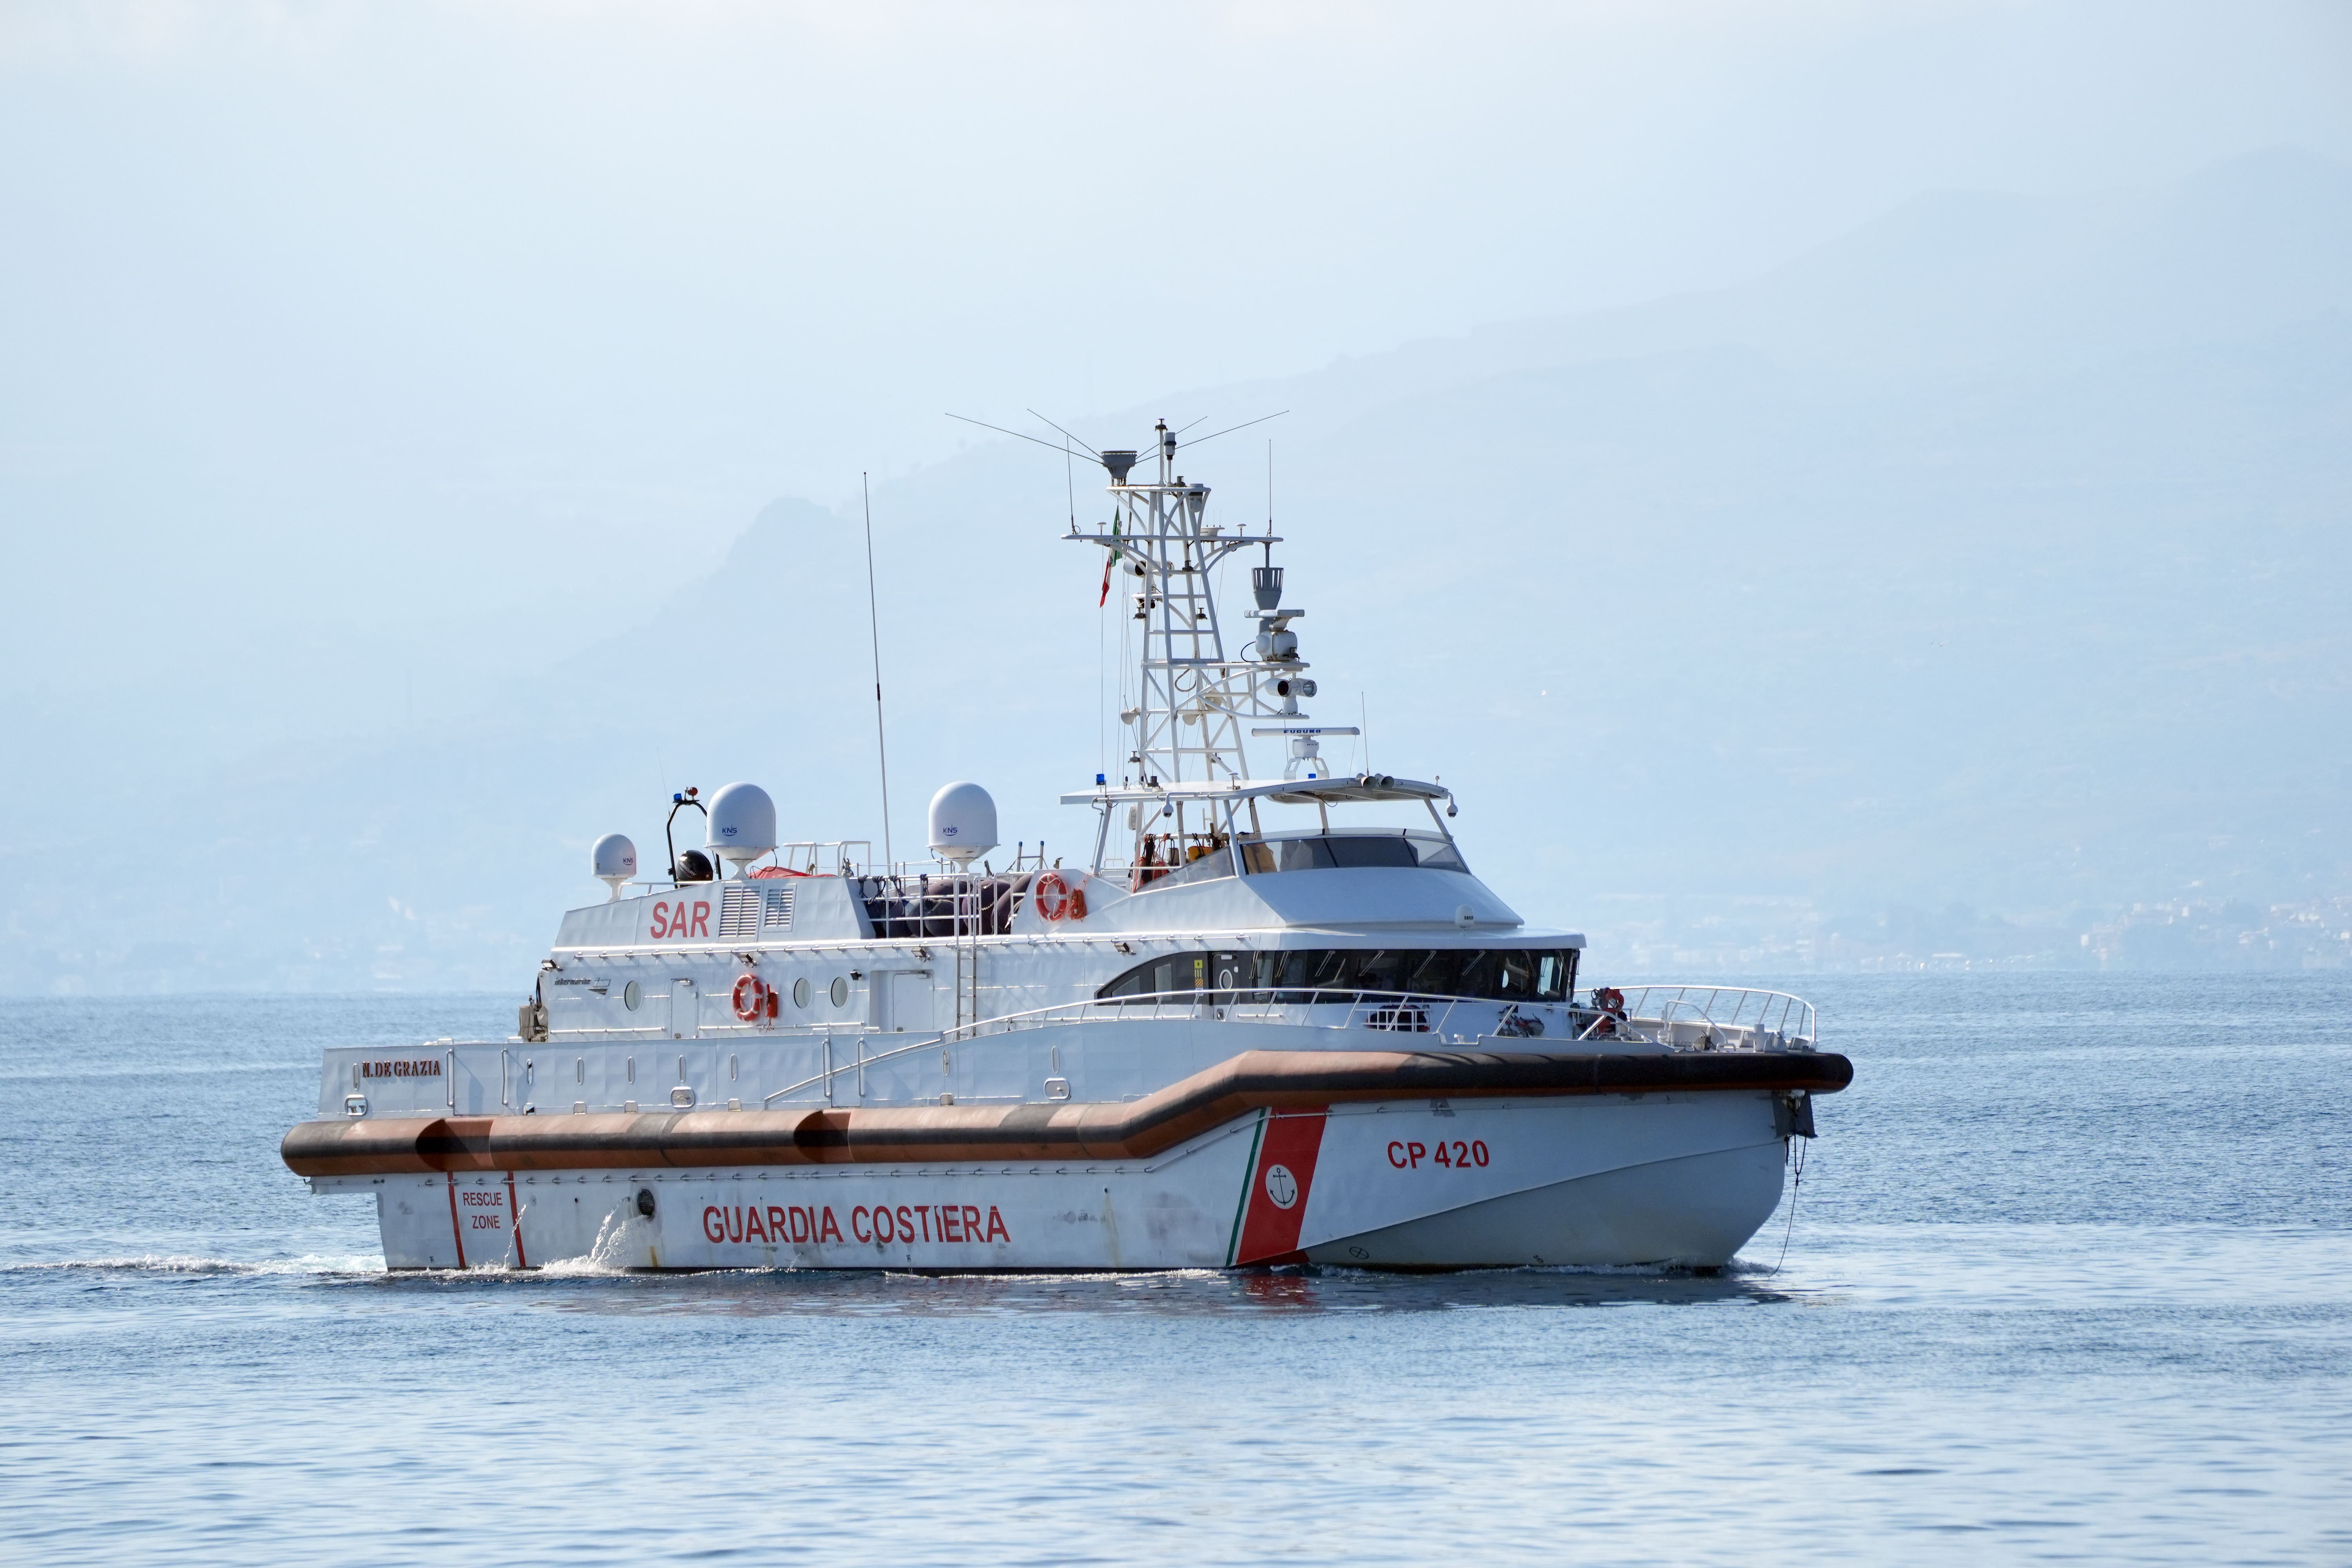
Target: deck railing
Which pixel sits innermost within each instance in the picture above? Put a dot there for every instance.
(1712, 1016)
(1688, 1018)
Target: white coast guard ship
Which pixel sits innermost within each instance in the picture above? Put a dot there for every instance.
(1262, 1024)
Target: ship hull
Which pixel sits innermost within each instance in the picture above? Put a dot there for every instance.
(1652, 1179)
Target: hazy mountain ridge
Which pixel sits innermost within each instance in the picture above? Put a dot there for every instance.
(1994, 554)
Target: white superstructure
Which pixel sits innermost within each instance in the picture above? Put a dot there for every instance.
(1263, 1022)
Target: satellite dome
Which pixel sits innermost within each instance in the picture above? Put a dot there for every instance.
(615, 861)
(743, 824)
(963, 823)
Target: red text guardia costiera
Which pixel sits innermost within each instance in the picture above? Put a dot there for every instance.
(779, 1225)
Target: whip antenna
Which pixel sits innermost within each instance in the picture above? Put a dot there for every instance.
(873, 621)
(1084, 446)
(1049, 446)
(1231, 428)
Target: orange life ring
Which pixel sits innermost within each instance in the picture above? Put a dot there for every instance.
(751, 997)
(1050, 896)
(1609, 1000)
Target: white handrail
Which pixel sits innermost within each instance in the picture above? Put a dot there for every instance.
(1776, 1013)
(1185, 1003)
(1362, 1007)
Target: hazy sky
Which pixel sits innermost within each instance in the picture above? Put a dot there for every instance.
(653, 264)
(356, 354)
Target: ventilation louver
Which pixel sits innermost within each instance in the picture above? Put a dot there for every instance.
(739, 912)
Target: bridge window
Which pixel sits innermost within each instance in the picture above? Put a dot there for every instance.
(1334, 851)
(1309, 976)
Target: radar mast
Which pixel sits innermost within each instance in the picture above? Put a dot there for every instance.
(1187, 724)
(1193, 697)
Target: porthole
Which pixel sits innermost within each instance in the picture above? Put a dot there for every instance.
(800, 992)
(631, 995)
(840, 992)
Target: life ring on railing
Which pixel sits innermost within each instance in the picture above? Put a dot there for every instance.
(1610, 1003)
(1052, 899)
(754, 998)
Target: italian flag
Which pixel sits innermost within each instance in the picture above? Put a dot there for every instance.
(1109, 561)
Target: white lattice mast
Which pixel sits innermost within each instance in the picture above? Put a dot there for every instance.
(1187, 722)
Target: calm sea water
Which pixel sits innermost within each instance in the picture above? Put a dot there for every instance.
(2070, 1276)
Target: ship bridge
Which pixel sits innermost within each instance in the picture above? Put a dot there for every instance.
(1186, 798)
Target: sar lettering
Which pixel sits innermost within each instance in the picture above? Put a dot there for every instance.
(682, 920)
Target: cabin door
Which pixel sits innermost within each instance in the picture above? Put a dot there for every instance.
(903, 1002)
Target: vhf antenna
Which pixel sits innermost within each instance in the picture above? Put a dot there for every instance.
(873, 621)
(1067, 437)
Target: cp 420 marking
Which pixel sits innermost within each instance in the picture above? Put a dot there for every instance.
(1454, 1155)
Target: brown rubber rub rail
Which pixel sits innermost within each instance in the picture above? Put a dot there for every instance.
(1133, 1130)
